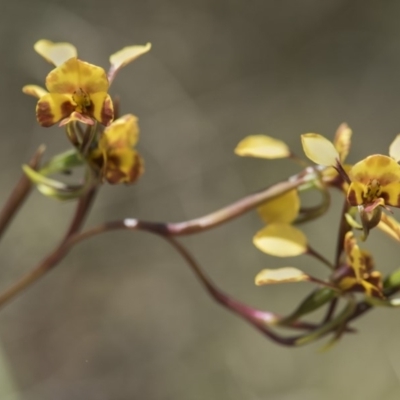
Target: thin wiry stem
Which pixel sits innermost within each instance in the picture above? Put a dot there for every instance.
(312, 252)
(343, 229)
(57, 255)
(19, 193)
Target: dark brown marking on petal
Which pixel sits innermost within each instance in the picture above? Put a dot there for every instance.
(44, 115)
(67, 108)
(107, 112)
(136, 170)
(114, 176)
(351, 197)
(385, 196)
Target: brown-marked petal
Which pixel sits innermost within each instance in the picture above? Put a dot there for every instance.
(379, 167)
(102, 107)
(55, 53)
(53, 107)
(123, 132)
(75, 74)
(123, 166)
(280, 275)
(354, 255)
(262, 146)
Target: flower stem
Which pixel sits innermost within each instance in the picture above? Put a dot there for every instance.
(57, 255)
(320, 257)
(19, 193)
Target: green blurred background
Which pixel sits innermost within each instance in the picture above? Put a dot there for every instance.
(122, 317)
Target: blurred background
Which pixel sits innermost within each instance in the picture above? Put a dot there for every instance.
(122, 317)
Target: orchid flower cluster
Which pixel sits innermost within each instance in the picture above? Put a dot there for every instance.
(77, 99)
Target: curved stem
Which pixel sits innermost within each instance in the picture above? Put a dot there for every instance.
(205, 222)
(57, 255)
(19, 193)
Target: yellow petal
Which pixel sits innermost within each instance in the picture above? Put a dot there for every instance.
(319, 149)
(75, 74)
(123, 132)
(354, 255)
(34, 90)
(52, 108)
(125, 56)
(102, 107)
(55, 53)
(379, 167)
(350, 283)
(281, 240)
(123, 166)
(284, 208)
(342, 141)
(391, 194)
(390, 226)
(262, 146)
(280, 275)
(394, 149)
(355, 193)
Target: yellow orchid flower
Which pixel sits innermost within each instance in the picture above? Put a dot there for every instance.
(115, 156)
(375, 181)
(77, 90)
(357, 274)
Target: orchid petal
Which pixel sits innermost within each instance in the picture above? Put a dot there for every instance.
(379, 167)
(123, 132)
(284, 208)
(280, 275)
(55, 53)
(124, 57)
(342, 141)
(394, 149)
(390, 226)
(102, 107)
(319, 149)
(53, 107)
(281, 240)
(34, 90)
(262, 146)
(75, 74)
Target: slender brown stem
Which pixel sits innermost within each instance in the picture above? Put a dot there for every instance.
(233, 210)
(57, 255)
(81, 212)
(205, 222)
(343, 229)
(19, 193)
(331, 310)
(320, 257)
